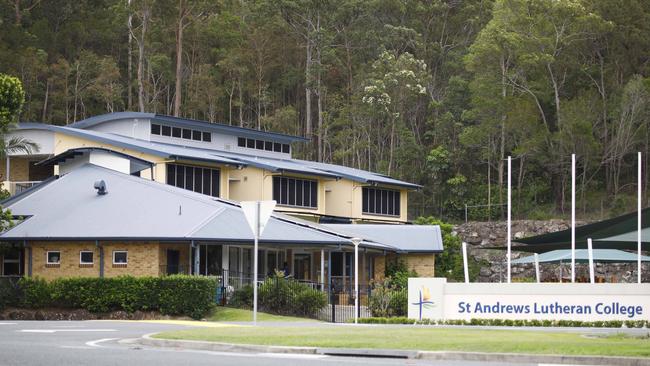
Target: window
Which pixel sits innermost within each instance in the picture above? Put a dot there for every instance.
(263, 145)
(379, 201)
(295, 192)
(86, 257)
(194, 178)
(178, 132)
(54, 257)
(11, 263)
(120, 257)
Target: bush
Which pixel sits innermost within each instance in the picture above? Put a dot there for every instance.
(387, 299)
(282, 296)
(34, 293)
(9, 292)
(243, 297)
(172, 295)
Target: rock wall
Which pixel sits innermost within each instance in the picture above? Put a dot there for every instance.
(479, 235)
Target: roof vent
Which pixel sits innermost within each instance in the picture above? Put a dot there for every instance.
(100, 186)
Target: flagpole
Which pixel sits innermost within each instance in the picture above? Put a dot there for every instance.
(573, 218)
(638, 220)
(509, 216)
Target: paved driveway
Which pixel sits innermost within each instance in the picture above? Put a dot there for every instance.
(102, 343)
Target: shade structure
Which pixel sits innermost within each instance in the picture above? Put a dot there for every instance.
(582, 255)
(615, 233)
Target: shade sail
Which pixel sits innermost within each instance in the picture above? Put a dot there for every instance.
(582, 255)
(614, 233)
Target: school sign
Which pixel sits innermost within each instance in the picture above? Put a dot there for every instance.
(434, 298)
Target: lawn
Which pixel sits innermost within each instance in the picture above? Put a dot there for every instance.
(225, 314)
(424, 338)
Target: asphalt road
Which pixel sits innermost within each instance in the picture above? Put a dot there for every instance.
(103, 343)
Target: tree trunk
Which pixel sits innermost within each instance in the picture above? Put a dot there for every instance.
(145, 20)
(47, 93)
(129, 73)
(179, 59)
(308, 126)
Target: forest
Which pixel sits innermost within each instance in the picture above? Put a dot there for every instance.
(435, 92)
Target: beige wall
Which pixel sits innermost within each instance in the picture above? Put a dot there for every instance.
(18, 169)
(336, 198)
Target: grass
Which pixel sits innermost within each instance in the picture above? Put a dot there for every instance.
(225, 314)
(425, 339)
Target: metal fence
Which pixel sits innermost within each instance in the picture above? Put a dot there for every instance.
(289, 296)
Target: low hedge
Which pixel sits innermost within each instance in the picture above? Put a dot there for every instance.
(171, 295)
(510, 323)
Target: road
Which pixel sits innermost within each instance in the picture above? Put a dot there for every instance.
(104, 343)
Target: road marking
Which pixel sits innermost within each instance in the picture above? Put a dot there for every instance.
(65, 330)
(76, 347)
(96, 343)
(8, 323)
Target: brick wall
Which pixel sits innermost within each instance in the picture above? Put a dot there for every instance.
(423, 264)
(69, 263)
(143, 259)
(380, 267)
(19, 169)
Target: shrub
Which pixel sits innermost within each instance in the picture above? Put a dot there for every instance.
(9, 292)
(282, 296)
(387, 299)
(173, 295)
(34, 293)
(243, 297)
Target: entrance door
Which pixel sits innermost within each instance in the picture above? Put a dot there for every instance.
(302, 268)
(173, 261)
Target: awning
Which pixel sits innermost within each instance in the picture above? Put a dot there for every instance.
(582, 255)
(615, 233)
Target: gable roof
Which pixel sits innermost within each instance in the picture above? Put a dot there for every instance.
(176, 152)
(186, 122)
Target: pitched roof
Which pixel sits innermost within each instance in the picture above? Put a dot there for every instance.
(186, 122)
(407, 238)
(172, 151)
(138, 209)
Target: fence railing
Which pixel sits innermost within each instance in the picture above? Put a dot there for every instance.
(17, 187)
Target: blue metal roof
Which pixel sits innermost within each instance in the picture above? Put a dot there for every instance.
(186, 122)
(179, 152)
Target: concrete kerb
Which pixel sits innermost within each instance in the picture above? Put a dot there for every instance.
(148, 340)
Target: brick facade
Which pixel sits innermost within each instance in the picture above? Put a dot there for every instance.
(143, 259)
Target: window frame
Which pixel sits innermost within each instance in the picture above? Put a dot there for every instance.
(81, 253)
(307, 188)
(121, 251)
(375, 201)
(47, 257)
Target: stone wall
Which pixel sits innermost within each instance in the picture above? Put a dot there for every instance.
(479, 235)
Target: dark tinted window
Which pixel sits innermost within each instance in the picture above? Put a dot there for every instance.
(86, 257)
(286, 148)
(197, 179)
(187, 134)
(155, 129)
(166, 131)
(379, 201)
(207, 136)
(196, 135)
(241, 142)
(295, 192)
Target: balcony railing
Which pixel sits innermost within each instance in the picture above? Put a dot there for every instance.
(15, 188)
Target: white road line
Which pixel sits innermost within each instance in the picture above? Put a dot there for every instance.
(8, 323)
(96, 343)
(64, 330)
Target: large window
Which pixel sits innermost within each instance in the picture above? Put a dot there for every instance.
(263, 145)
(194, 178)
(181, 133)
(377, 201)
(295, 192)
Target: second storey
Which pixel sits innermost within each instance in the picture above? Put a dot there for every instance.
(313, 190)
